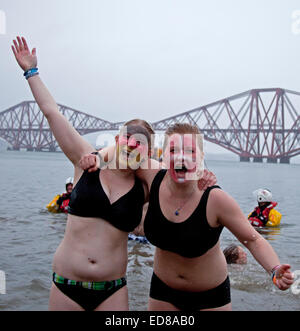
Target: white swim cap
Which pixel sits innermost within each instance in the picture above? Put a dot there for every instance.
(263, 195)
(69, 180)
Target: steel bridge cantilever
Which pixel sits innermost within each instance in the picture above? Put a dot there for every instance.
(257, 124)
(25, 127)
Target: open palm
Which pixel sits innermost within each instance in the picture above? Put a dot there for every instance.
(24, 57)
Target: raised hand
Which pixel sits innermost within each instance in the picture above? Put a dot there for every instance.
(26, 59)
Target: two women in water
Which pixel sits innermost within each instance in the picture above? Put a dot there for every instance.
(89, 267)
(184, 223)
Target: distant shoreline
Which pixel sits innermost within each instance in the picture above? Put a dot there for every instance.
(208, 157)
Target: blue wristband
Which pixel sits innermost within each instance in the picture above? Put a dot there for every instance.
(31, 75)
(31, 72)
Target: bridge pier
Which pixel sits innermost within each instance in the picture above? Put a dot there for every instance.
(285, 160)
(258, 160)
(244, 159)
(271, 160)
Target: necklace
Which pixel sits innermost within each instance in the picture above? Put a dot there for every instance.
(177, 211)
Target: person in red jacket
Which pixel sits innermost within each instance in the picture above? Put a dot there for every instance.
(260, 216)
(64, 199)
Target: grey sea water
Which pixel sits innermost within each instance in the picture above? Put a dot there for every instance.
(29, 235)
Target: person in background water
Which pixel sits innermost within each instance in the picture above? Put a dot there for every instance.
(260, 216)
(64, 199)
(235, 254)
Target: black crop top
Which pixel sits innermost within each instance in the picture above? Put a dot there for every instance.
(191, 238)
(88, 199)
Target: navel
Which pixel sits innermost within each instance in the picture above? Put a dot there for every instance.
(92, 261)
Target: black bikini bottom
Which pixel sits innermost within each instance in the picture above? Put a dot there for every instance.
(89, 295)
(191, 301)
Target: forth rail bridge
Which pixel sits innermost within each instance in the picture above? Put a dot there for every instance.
(257, 125)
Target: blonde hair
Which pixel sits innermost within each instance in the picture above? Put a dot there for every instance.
(184, 128)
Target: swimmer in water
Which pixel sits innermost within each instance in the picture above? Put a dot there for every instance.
(63, 201)
(235, 254)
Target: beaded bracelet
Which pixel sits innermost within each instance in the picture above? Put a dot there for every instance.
(31, 72)
(273, 274)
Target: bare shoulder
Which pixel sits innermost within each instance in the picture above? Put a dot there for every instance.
(217, 195)
(222, 202)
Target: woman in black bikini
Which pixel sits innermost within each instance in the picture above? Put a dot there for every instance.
(89, 266)
(190, 270)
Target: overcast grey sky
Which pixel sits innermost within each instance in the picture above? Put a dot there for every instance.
(121, 59)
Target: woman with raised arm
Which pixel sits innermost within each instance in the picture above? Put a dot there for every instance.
(89, 266)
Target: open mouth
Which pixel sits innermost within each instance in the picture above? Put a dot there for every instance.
(129, 154)
(130, 158)
(180, 169)
(181, 172)
(178, 173)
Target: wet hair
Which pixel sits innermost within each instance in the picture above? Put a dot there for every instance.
(183, 128)
(231, 254)
(148, 132)
(140, 122)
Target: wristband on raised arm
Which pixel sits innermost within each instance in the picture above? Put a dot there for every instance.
(31, 72)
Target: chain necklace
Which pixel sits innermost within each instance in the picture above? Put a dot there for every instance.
(177, 211)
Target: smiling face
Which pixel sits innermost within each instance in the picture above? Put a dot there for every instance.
(132, 147)
(183, 157)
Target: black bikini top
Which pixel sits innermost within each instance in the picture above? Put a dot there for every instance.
(88, 199)
(191, 238)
